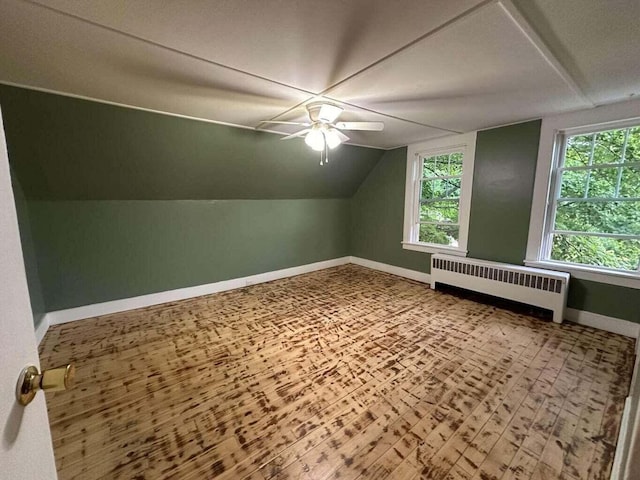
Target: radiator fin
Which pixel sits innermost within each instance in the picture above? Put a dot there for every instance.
(539, 282)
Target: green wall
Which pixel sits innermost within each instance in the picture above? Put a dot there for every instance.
(377, 215)
(28, 253)
(64, 148)
(605, 299)
(120, 202)
(501, 199)
(503, 175)
(96, 251)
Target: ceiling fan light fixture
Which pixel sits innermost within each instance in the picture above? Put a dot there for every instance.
(324, 132)
(332, 138)
(315, 139)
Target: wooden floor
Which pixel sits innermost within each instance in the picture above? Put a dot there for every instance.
(344, 373)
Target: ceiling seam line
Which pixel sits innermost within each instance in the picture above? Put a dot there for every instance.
(386, 57)
(165, 47)
(361, 108)
(424, 36)
(212, 62)
(291, 109)
(154, 111)
(132, 107)
(523, 24)
(395, 117)
(275, 82)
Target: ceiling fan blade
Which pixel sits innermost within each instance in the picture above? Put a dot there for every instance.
(297, 134)
(286, 123)
(329, 113)
(370, 126)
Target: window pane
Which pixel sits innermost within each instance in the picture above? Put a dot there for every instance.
(573, 184)
(445, 188)
(630, 181)
(452, 187)
(632, 153)
(432, 189)
(442, 165)
(428, 167)
(440, 234)
(435, 166)
(609, 146)
(439, 211)
(578, 150)
(455, 163)
(599, 217)
(602, 182)
(597, 251)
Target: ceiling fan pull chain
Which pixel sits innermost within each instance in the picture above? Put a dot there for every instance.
(326, 149)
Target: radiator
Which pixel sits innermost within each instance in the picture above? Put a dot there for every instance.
(533, 286)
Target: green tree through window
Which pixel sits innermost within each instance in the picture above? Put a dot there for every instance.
(597, 206)
(440, 198)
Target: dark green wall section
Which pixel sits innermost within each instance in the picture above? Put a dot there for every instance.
(69, 149)
(504, 169)
(95, 251)
(28, 253)
(503, 174)
(123, 202)
(605, 299)
(377, 215)
(499, 221)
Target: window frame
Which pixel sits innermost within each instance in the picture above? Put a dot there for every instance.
(465, 143)
(553, 134)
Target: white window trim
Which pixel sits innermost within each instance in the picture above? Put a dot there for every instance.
(466, 143)
(617, 115)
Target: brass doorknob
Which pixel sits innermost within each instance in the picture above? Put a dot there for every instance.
(52, 380)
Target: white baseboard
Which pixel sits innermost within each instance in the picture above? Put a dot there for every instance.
(581, 317)
(602, 322)
(626, 452)
(622, 445)
(384, 267)
(115, 306)
(89, 311)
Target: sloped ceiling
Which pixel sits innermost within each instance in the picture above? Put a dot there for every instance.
(425, 68)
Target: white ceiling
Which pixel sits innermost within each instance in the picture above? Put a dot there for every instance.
(424, 68)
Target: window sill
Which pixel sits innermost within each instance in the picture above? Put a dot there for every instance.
(428, 248)
(621, 279)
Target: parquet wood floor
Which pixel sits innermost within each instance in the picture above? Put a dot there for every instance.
(343, 373)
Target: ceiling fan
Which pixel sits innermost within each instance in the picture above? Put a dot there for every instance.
(322, 132)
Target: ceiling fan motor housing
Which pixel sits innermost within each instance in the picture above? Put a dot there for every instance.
(316, 114)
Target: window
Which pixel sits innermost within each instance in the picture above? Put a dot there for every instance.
(595, 216)
(586, 216)
(437, 194)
